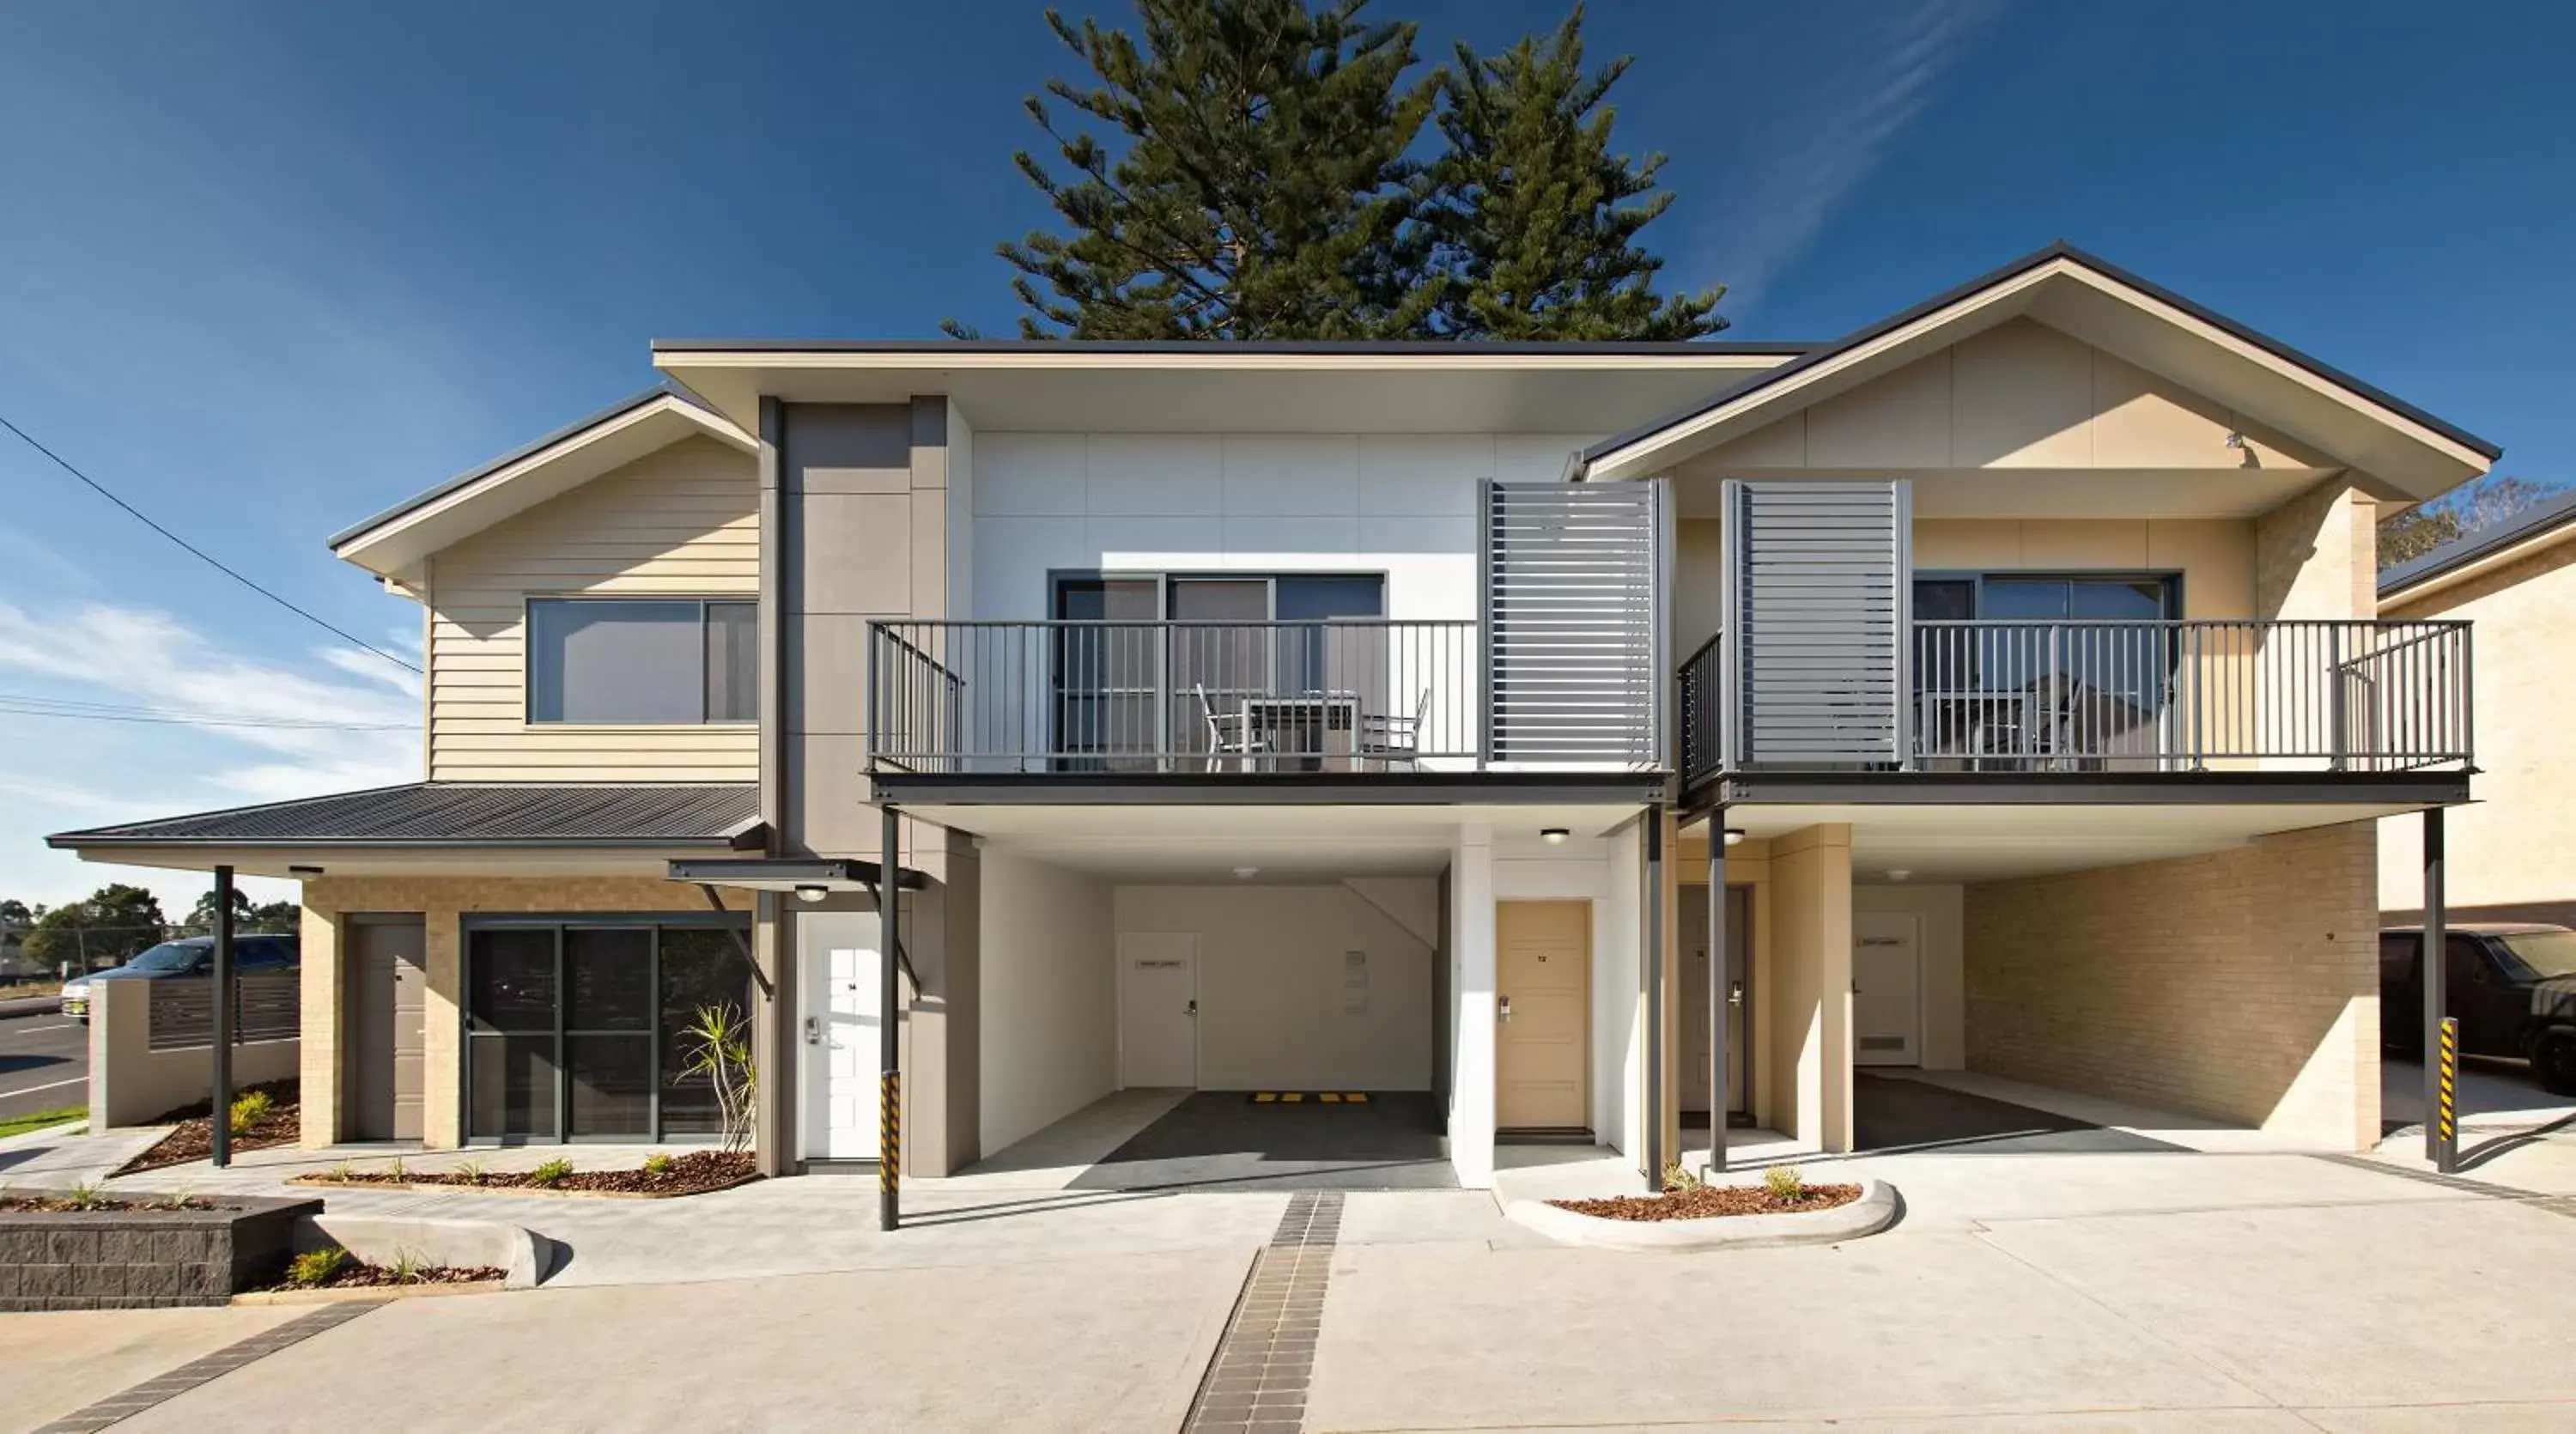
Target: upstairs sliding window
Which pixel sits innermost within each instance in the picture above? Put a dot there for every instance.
(669, 661)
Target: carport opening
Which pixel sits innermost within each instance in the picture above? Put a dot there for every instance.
(1210, 1139)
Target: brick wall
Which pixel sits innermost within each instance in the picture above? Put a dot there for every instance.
(443, 902)
(2243, 984)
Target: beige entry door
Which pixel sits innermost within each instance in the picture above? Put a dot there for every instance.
(390, 1000)
(1543, 1015)
(1887, 989)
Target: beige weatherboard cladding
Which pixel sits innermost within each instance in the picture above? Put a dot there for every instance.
(679, 522)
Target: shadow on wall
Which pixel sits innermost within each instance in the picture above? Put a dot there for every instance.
(2241, 984)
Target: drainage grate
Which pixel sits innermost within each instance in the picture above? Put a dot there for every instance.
(1257, 1382)
(163, 1387)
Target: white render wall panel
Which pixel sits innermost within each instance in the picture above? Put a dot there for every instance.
(1145, 473)
(1029, 475)
(1403, 505)
(1303, 474)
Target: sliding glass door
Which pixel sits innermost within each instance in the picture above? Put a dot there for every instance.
(581, 1029)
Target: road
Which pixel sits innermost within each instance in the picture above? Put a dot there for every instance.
(44, 1064)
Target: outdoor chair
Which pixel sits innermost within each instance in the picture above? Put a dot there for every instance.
(1229, 734)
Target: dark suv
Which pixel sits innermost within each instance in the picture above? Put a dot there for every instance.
(2512, 987)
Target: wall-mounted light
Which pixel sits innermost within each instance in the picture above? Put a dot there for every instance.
(809, 894)
(1735, 836)
(1554, 836)
(1899, 873)
(1246, 873)
(303, 871)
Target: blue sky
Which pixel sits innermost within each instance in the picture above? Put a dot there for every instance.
(267, 268)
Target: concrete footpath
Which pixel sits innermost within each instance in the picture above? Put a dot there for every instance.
(2128, 1290)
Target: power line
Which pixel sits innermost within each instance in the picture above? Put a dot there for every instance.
(209, 559)
(31, 706)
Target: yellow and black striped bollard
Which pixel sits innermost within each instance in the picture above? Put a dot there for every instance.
(2447, 1116)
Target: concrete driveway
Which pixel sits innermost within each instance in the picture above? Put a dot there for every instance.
(2138, 1289)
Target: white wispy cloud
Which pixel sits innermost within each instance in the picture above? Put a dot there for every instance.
(62, 772)
(1789, 167)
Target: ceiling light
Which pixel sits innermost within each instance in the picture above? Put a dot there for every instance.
(304, 871)
(1735, 836)
(1246, 873)
(810, 893)
(1554, 836)
(1899, 873)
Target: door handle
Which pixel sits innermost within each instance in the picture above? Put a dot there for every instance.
(1735, 993)
(813, 1030)
(1190, 1010)
(1503, 1013)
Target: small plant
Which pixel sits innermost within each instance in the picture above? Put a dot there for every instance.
(552, 1173)
(1785, 1182)
(315, 1267)
(472, 1170)
(249, 1109)
(719, 1048)
(182, 1198)
(407, 1267)
(657, 1163)
(85, 1196)
(342, 1173)
(396, 1169)
(1678, 1178)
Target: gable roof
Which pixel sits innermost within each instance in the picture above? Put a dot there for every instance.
(444, 814)
(2545, 520)
(395, 539)
(2446, 454)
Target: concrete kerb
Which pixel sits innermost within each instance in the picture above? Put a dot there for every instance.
(388, 1239)
(1875, 1210)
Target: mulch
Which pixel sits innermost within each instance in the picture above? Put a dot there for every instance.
(1711, 1202)
(65, 1205)
(194, 1139)
(354, 1274)
(694, 1173)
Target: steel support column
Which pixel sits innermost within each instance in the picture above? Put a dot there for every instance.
(1657, 1088)
(2437, 985)
(889, 1037)
(221, 1099)
(1720, 1099)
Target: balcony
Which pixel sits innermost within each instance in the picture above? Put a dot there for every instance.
(1257, 703)
(2334, 700)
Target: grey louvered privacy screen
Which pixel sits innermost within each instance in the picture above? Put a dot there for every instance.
(1574, 647)
(1817, 589)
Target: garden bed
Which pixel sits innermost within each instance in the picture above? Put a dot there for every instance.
(1708, 1202)
(194, 1139)
(699, 1172)
(336, 1269)
(63, 1251)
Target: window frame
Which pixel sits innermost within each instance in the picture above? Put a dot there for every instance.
(1976, 578)
(560, 1031)
(528, 604)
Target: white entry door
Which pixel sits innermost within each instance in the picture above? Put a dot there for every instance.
(839, 978)
(1887, 989)
(1158, 1009)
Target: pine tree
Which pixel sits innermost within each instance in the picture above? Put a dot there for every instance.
(1537, 218)
(1263, 191)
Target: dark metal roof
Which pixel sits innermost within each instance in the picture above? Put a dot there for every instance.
(933, 348)
(439, 814)
(2059, 250)
(574, 429)
(2469, 547)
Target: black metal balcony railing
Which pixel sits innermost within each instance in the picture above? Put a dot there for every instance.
(2035, 697)
(1023, 697)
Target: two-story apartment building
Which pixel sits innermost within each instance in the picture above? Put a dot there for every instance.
(1364, 719)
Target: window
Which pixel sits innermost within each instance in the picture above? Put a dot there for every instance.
(643, 660)
(582, 1029)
